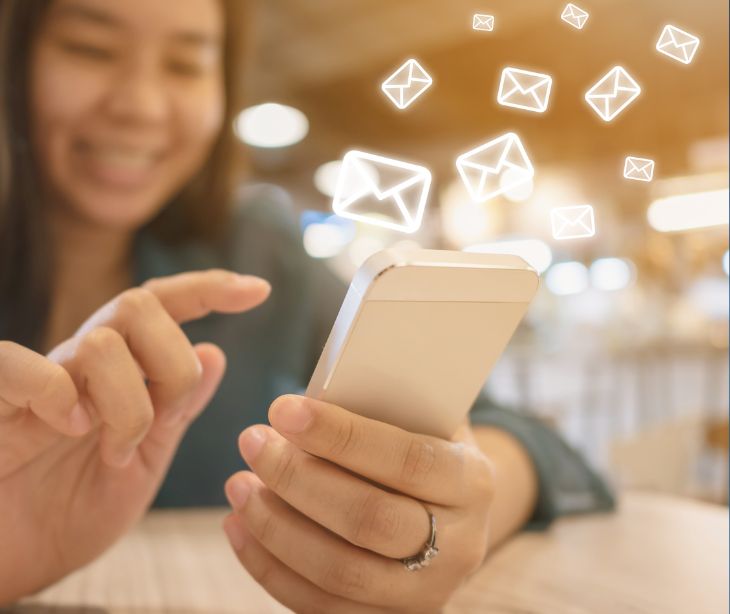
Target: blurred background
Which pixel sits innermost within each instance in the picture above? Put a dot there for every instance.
(625, 350)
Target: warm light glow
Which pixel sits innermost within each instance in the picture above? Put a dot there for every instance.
(325, 177)
(567, 278)
(689, 211)
(271, 125)
(464, 222)
(324, 240)
(533, 251)
(611, 273)
(521, 190)
(364, 247)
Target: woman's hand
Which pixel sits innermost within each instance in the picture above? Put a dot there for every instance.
(87, 433)
(337, 499)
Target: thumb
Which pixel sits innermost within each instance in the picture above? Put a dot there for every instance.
(161, 441)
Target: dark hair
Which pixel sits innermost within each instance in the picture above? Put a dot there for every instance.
(200, 211)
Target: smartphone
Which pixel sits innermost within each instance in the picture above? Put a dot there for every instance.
(418, 333)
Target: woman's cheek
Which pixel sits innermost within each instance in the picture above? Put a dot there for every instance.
(200, 119)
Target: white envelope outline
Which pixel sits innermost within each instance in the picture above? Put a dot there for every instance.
(574, 16)
(357, 182)
(576, 222)
(677, 44)
(613, 93)
(484, 23)
(639, 169)
(477, 167)
(406, 84)
(524, 89)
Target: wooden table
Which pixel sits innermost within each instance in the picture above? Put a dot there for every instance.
(658, 554)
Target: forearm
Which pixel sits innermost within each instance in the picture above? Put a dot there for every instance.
(516, 484)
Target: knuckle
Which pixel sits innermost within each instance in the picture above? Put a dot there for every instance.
(136, 301)
(345, 441)
(266, 529)
(377, 521)
(418, 461)
(188, 375)
(99, 342)
(484, 478)
(346, 578)
(284, 472)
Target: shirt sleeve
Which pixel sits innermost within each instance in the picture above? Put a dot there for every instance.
(567, 485)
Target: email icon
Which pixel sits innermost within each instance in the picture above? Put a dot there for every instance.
(638, 169)
(382, 191)
(574, 16)
(573, 222)
(483, 23)
(613, 93)
(406, 84)
(677, 44)
(484, 169)
(524, 89)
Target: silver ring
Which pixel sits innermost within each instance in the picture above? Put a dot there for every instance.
(429, 551)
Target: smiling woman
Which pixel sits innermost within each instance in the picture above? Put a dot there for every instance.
(127, 106)
(122, 253)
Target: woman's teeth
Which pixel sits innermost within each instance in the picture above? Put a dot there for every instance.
(124, 159)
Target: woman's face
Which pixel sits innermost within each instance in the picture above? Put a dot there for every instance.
(127, 100)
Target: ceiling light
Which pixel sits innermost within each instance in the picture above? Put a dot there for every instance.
(689, 211)
(271, 125)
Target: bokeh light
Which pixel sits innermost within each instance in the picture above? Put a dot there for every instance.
(271, 125)
(567, 278)
(611, 273)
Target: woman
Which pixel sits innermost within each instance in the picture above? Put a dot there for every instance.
(116, 229)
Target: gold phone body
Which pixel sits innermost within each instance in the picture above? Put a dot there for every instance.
(418, 333)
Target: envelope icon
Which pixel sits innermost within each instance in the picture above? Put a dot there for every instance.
(574, 16)
(639, 169)
(484, 23)
(495, 167)
(677, 44)
(573, 222)
(613, 93)
(524, 89)
(406, 84)
(382, 191)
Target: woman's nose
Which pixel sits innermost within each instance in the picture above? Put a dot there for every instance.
(138, 95)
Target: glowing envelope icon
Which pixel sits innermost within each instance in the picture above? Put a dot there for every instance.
(677, 44)
(382, 191)
(613, 93)
(407, 84)
(638, 169)
(484, 169)
(573, 222)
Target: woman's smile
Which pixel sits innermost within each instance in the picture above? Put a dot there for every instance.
(116, 165)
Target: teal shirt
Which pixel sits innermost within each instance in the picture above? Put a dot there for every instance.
(273, 350)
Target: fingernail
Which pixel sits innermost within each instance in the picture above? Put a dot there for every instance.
(239, 492)
(235, 534)
(252, 441)
(251, 281)
(79, 420)
(291, 415)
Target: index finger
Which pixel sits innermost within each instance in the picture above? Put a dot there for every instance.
(428, 468)
(193, 295)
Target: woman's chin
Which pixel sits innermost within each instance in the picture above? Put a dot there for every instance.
(113, 212)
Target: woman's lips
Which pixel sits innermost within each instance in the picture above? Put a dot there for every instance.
(118, 166)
